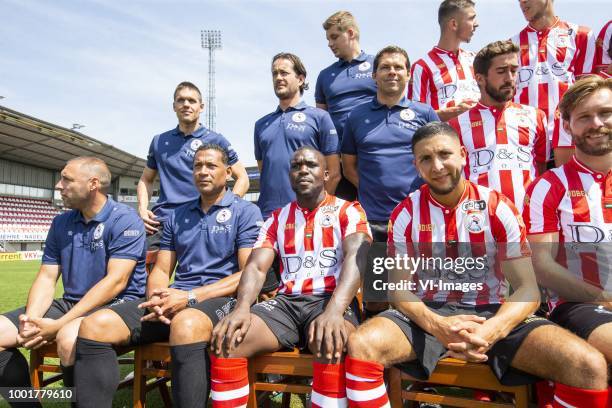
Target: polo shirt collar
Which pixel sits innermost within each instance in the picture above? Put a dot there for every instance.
(403, 103)
(226, 201)
(360, 58)
(583, 168)
(197, 133)
(300, 106)
(439, 50)
(101, 216)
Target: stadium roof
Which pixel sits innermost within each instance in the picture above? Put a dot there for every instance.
(32, 141)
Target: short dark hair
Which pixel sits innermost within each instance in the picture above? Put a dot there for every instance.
(448, 8)
(298, 67)
(216, 147)
(188, 85)
(482, 61)
(432, 129)
(391, 49)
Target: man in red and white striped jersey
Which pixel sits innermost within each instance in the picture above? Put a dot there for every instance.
(553, 53)
(505, 141)
(602, 64)
(322, 242)
(572, 206)
(452, 215)
(444, 78)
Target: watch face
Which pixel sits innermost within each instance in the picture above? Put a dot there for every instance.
(191, 302)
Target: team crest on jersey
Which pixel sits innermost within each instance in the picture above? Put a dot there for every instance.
(407, 115)
(474, 222)
(223, 215)
(98, 232)
(364, 66)
(298, 117)
(521, 116)
(327, 219)
(562, 41)
(195, 144)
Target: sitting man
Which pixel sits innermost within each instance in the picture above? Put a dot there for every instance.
(322, 242)
(210, 239)
(450, 215)
(98, 248)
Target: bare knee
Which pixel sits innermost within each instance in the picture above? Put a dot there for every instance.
(592, 368)
(104, 326)
(65, 341)
(364, 344)
(190, 326)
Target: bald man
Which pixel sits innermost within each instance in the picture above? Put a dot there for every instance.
(98, 248)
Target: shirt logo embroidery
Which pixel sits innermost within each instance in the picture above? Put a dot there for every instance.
(364, 66)
(407, 115)
(223, 215)
(474, 222)
(298, 117)
(195, 144)
(98, 232)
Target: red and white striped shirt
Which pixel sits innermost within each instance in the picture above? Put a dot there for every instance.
(576, 202)
(549, 62)
(602, 45)
(309, 243)
(503, 146)
(419, 225)
(443, 78)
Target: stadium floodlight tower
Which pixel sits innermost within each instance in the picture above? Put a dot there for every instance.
(211, 41)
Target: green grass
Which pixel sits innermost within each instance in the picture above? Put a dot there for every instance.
(16, 277)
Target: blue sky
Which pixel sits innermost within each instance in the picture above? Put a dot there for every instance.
(113, 65)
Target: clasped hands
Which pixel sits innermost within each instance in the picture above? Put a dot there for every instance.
(467, 337)
(163, 304)
(35, 332)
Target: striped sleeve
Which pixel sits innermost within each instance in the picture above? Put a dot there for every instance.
(585, 46)
(399, 228)
(508, 228)
(541, 203)
(420, 83)
(540, 143)
(268, 234)
(356, 220)
(602, 45)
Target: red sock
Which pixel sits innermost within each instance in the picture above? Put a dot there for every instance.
(566, 396)
(365, 386)
(229, 380)
(546, 393)
(328, 387)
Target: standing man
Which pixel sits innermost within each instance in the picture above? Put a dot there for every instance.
(347, 82)
(603, 52)
(293, 124)
(322, 241)
(454, 218)
(376, 151)
(98, 248)
(208, 240)
(444, 78)
(570, 207)
(505, 141)
(553, 53)
(171, 156)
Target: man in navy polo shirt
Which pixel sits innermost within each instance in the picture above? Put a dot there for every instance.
(171, 157)
(347, 82)
(98, 248)
(292, 125)
(376, 153)
(208, 240)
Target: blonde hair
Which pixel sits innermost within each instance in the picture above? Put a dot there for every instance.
(343, 20)
(580, 90)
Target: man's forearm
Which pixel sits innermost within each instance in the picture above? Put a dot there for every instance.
(223, 287)
(143, 194)
(157, 279)
(251, 282)
(353, 268)
(41, 296)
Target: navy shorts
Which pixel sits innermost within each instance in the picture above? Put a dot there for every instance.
(581, 318)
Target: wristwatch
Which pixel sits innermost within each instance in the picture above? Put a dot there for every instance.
(191, 299)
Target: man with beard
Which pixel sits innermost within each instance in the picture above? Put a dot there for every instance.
(444, 78)
(98, 248)
(347, 82)
(293, 124)
(568, 214)
(505, 141)
(208, 241)
(171, 157)
(322, 242)
(553, 53)
(478, 325)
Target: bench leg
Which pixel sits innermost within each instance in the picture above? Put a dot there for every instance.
(139, 392)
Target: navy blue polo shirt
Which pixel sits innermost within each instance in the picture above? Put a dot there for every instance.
(277, 136)
(344, 85)
(171, 154)
(206, 244)
(381, 139)
(82, 250)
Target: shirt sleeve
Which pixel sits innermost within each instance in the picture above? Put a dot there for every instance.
(509, 230)
(256, 145)
(348, 137)
(127, 239)
(328, 137)
(167, 237)
(418, 87)
(433, 116)
(52, 253)
(585, 47)
(540, 210)
(248, 226)
(268, 237)
(151, 161)
(353, 219)
(540, 144)
(319, 94)
(232, 156)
